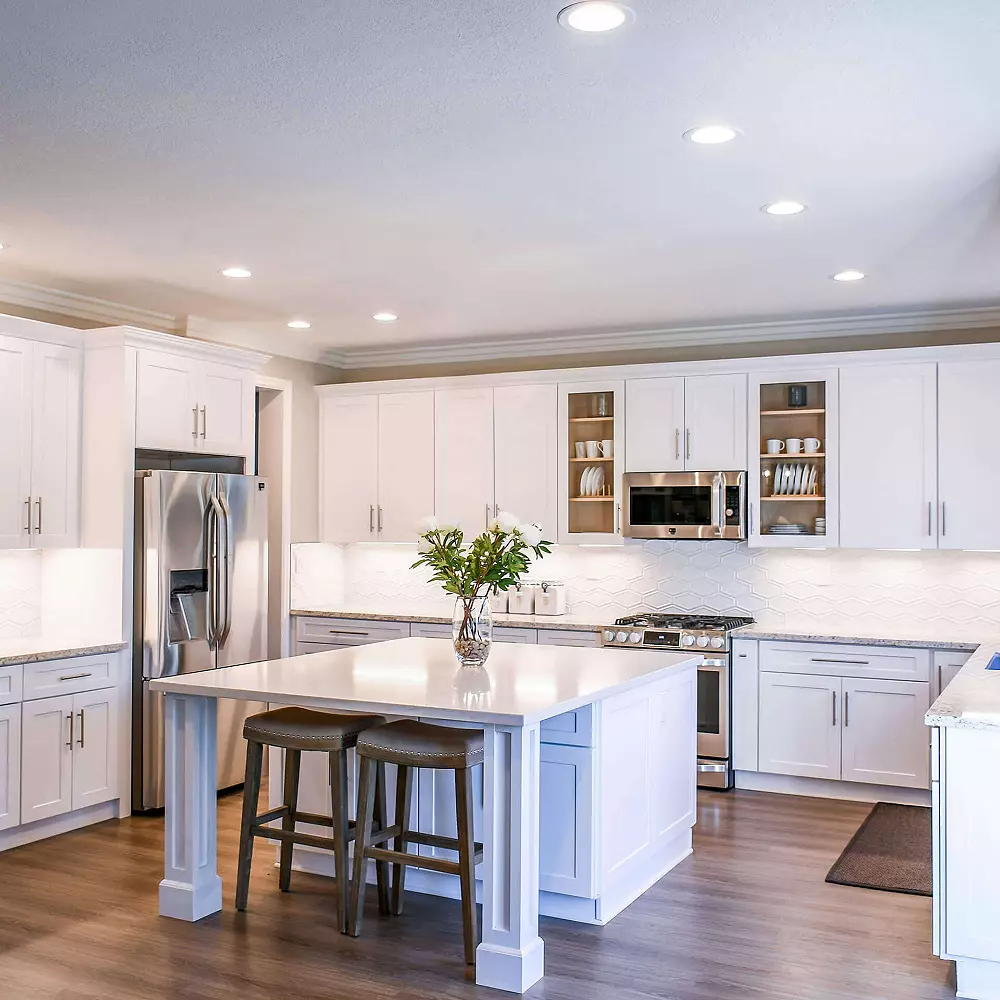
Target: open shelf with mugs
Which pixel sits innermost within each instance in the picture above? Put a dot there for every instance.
(792, 482)
(591, 446)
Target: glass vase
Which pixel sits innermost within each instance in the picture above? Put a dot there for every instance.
(472, 630)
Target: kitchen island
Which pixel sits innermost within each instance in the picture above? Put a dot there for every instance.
(639, 712)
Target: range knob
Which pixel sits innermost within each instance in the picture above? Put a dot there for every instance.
(635, 637)
(718, 642)
(687, 640)
(702, 640)
(622, 636)
(609, 635)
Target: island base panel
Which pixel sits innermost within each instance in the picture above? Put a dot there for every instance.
(977, 980)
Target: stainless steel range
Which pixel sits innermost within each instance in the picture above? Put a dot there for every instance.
(694, 631)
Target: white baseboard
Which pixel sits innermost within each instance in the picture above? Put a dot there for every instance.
(854, 791)
(29, 833)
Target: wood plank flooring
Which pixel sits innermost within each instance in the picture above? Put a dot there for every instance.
(748, 916)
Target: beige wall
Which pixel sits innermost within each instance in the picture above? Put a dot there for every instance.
(705, 353)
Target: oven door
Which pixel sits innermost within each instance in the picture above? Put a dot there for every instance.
(685, 504)
(713, 708)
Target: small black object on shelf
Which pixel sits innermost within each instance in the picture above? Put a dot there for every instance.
(797, 395)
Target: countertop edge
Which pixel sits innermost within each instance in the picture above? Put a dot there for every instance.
(60, 652)
(430, 618)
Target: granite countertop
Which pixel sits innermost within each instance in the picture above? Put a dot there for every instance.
(442, 616)
(31, 649)
(972, 699)
(846, 633)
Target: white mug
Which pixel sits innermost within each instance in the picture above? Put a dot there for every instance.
(593, 449)
(774, 446)
(812, 444)
(793, 445)
(607, 447)
(580, 448)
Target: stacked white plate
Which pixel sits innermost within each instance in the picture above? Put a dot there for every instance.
(592, 481)
(794, 479)
(788, 529)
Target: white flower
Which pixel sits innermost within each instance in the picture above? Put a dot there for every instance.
(423, 545)
(506, 521)
(531, 533)
(426, 524)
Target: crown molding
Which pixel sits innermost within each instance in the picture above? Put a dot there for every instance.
(192, 347)
(100, 311)
(872, 324)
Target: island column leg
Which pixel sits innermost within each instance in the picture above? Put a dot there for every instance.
(512, 955)
(191, 887)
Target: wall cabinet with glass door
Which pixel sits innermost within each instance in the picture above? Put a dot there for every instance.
(793, 450)
(591, 442)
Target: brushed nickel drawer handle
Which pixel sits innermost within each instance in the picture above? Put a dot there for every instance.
(857, 663)
(74, 677)
(344, 631)
(70, 717)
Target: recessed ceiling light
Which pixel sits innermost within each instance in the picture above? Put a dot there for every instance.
(710, 135)
(235, 272)
(299, 324)
(849, 275)
(385, 317)
(595, 15)
(784, 208)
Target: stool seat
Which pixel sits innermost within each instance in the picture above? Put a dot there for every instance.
(294, 728)
(420, 744)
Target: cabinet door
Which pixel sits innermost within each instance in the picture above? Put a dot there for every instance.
(885, 740)
(566, 817)
(405, 464)
(715, 419)
(55, 446)
(888, 457)
(15, 444)
(10, 766)
(799, 729)
(654, 425)
(348, 468)
(526, 444)
(463, 473)
(947, 663)
(46, 758)
(226, 402)
(166, 401)
(95, 747)
(968, 454)
(745, 709)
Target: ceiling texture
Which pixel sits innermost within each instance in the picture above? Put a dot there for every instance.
(485, 173)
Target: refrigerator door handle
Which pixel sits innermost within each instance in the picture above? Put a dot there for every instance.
(225, 571)
(214, 513)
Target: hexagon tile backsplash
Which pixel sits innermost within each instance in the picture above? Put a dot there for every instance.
(20, 593)
(958, 592)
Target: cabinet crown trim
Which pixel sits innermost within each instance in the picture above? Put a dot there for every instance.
(170, 343)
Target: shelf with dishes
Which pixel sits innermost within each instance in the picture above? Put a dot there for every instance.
(592, 446)
(794, 411)
(604, 499)
(783, 457)
(592, 420)
(811, 497)
(591, 461)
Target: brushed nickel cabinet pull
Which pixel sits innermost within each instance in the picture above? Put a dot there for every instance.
(73, 677)
(344, 631)
(204, 422)
(856, 663)
(834, 693)
(687, 453)
(380, 519)
(371, 519)
(194, 433)
(38, 515)
(677, 443)
(930, 516)
(27, 515)
(944, 524)
(70, 717)
(845, 709)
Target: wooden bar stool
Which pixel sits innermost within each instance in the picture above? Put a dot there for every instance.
(409, 744)
(294, 730)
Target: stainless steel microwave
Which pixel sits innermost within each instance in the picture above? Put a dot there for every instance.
(685, 505)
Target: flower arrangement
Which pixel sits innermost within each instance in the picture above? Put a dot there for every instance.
(493, 561)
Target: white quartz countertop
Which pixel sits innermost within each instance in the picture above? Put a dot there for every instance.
(442, 616)
(30, 649)
(519, 685)
(972, 699)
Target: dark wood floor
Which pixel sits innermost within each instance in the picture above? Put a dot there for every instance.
(747, 916)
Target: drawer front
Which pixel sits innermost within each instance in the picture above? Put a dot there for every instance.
(836, 660)
(507, 633)
(567, 637)
(302, 648)
(77, 673)
(430, 630)
(349, 631)
(501, 633)
(572, 729)
(11, 679)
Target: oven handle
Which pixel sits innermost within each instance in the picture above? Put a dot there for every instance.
(714, 664)
(705, 768)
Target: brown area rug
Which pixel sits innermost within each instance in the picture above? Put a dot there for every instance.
(890, 851)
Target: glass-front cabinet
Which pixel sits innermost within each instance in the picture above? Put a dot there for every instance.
(591, 447)
(792, 488)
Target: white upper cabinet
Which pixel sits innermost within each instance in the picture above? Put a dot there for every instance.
(654, 425)
(463, 463)
(15, 444)
(697, 423)
(525, 434)
(888, 456)
(968, 454)
(348, 488)
(40, 454)
(405, 464)
(184, 403)
(715, 418)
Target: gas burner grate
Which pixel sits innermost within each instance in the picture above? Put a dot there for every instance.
(681, 620)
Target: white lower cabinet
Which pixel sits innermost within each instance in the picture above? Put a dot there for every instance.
(10, 766)
(799, 725)
(69, 753)
(947, 663)
(565, 848)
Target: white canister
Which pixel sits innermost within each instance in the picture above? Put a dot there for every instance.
(551, 598)
(521, 598)
(498, 602)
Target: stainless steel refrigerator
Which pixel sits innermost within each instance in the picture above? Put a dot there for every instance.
(200, 603)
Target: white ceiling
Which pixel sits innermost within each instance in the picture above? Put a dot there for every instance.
(484, 172)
